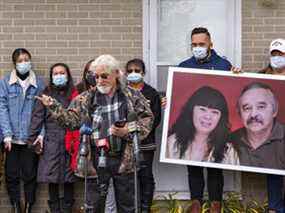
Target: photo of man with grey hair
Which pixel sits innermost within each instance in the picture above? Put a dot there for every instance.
(261, 142)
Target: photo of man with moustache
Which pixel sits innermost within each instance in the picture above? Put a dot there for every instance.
(261, 142)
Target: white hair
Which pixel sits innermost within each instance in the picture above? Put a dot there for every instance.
(111, 64)
(108, 61)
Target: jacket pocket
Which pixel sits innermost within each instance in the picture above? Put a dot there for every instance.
(13, 104)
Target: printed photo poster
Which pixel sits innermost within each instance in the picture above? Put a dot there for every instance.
(224, 120)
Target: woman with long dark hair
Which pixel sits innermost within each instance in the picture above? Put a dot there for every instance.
(202, 129)
(56, 164)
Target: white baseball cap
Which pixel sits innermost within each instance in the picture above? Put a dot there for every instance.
(277, 44)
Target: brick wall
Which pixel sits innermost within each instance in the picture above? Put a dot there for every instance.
(260, 25)
(69, 31)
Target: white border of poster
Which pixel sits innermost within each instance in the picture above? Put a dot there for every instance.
(176, 70)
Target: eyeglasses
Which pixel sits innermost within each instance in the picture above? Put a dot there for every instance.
(134, 70)
(104, 76)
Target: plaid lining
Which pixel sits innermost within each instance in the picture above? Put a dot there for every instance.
(107, 111)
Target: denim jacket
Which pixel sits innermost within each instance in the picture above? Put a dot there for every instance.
(15, 108)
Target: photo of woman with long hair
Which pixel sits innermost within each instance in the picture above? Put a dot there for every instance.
(201, 131)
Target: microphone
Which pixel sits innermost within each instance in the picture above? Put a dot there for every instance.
(103, 146)
(84, 164)
(85, 132)
(133, 129)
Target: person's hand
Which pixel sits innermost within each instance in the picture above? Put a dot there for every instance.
(45, 99)
(38, 144)
(8, 144)
(163, 102)
(236, 70)
(119, 131)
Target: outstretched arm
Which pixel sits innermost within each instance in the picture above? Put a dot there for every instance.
(71, 117)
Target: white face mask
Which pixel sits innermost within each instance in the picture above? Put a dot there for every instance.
(59, 80)
(277, 61)
(135, 77)
(104, 89)
(24, 67)
(200, 52)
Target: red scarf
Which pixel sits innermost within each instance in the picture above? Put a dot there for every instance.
(72, 139)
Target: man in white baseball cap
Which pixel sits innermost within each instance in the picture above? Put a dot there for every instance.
(277, 58)
(278, 44)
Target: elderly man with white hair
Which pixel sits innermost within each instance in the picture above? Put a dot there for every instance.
(111, 103)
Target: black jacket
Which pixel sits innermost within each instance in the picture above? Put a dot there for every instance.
(155, 105)
(54, 163)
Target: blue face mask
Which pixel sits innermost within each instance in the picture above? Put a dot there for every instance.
(24, 67)
(200, 52)
(59, 80)
(134, 77)
(277, 62)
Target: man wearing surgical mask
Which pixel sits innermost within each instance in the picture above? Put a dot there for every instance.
(17, 91)
(275, 186)
(204, 57)
(277, 58)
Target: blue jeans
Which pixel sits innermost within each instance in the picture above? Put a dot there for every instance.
(275, 193)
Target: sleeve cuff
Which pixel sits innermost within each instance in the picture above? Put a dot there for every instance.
(7, 139)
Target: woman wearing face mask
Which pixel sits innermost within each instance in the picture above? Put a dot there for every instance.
(56, 164)
(17, 91)
(88, 79)
(135, 71)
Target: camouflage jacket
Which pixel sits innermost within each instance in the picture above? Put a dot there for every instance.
(79, 110)
(82, 106)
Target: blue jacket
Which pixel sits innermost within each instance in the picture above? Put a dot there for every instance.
(15, 108)
(1, 136)
(215, 62)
